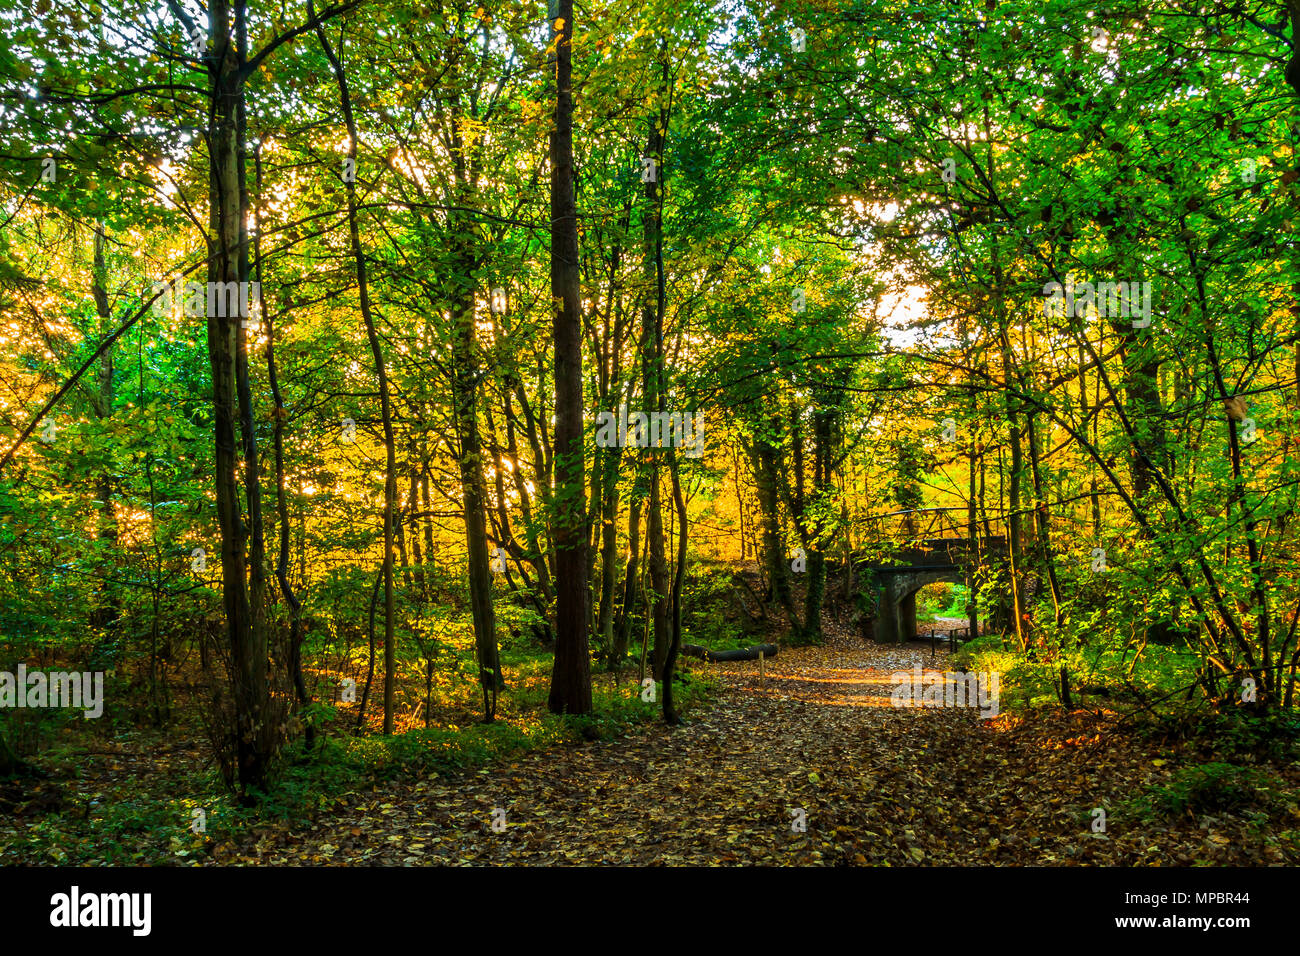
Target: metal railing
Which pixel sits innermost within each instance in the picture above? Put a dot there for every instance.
(929, 529)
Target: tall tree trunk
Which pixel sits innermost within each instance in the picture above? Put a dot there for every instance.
(824, 430)
(542, 472)
(281, 496)
(571, 677)
(1142, 370)
(764, 457)
(623, 630)
(1043, 518)
(612, 387)
(426, 501)
(608, 548)
(381, 373)
(658, 568)
(796, 502)
(413, 496)
(474, 487)
(1293, 78)
(652, 385)
(257, 583)
(465, 377)
(974, 563)
(1015, 538)
(227, 205)
(671, 717)
(105, 615)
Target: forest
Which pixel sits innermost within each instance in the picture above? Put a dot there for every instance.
(708, 432)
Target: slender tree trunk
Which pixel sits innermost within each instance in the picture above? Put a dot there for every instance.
(778, 572)
(426, 500)
(1015, 535)
(1142, 371)
(370, 667)
(281, 497)
(105, 615)
(474, 496)
(381, 373)
(541, 470)
(623, 630)
(796, 503)
(671, 717)
(571, 677)
(652, 387)
(413, 496)
(257, 583)
(227, 205)
(608, 549)
(974, 563)
(465, 378)
(1043, 518)
(824, 430)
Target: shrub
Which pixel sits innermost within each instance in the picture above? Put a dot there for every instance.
(1207, 788)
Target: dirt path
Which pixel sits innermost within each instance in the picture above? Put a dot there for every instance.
(874, 783)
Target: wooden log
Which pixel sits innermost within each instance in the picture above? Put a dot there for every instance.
(740, 654)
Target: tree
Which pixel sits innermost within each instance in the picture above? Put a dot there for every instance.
(571, 677)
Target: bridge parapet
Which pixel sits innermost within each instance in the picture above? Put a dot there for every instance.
(922, 526)
(936, 552)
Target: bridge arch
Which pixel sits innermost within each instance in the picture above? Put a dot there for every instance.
(896, 602)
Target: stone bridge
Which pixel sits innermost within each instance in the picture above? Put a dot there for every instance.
(923, 560)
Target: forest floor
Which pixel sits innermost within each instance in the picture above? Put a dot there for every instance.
(815, 741)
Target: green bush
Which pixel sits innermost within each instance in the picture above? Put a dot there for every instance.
(1208, 788)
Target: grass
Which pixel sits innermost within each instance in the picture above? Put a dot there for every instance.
(1099, 675)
